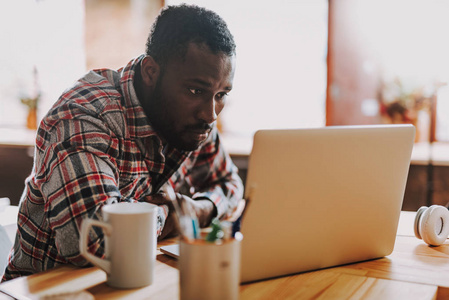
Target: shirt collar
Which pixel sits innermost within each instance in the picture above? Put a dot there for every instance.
(138, 123)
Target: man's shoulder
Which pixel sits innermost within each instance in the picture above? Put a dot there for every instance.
(101, 78)
(95, 95)
(96, 92)
(98, 87)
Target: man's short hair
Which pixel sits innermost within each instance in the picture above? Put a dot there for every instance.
(177, 26)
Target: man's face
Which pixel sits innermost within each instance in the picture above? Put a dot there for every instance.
(189, 95)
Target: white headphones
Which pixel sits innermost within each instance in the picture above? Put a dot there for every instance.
(432, 224)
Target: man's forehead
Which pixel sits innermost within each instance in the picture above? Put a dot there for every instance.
(206, 83)
(202, 66)
(202, 50)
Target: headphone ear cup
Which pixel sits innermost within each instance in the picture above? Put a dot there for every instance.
(434, 225)
(418, 216)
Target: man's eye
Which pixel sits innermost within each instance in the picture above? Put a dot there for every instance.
(196, 91)
(221, 95)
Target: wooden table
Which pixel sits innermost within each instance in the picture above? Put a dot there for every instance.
(413, 271)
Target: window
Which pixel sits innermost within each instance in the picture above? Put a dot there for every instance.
(375, 44)
(280, 80)
(47, 36)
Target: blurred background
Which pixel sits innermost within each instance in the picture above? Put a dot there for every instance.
(300, 64)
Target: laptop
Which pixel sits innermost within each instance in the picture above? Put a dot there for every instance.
(322, 197)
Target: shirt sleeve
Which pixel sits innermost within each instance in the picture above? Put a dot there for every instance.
(215, 177)
(77, 177)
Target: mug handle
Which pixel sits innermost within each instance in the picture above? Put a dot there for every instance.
(85, 227)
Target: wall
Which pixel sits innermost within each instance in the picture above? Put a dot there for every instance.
(117, 30)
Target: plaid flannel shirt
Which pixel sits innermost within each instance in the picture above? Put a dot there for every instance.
(96, 146)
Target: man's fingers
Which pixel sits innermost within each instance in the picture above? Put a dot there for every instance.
(159, 199)
(168, 191)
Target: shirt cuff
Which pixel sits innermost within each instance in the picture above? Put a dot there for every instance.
(162, 214)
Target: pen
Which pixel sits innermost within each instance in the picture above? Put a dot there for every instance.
(187, 220)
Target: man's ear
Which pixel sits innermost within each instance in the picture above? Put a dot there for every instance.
(150, 71)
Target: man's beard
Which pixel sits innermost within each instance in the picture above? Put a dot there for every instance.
(159, 119)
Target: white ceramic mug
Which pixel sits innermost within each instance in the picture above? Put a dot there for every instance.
(130, 243)
(209, 270)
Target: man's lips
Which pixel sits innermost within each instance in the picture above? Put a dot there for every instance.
(199, 134)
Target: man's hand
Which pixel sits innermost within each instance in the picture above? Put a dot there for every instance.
(204, 209)
(166, 196)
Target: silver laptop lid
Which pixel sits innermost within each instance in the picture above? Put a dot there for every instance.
(323, 197)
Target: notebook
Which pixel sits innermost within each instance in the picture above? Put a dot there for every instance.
(322, 197)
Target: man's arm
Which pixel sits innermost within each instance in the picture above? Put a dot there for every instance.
(215, 180)
(77, 176)
(204, 209)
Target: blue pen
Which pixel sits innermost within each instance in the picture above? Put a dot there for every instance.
(186, 212)
(196, 228)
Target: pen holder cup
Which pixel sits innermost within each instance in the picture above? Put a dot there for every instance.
(209, 270)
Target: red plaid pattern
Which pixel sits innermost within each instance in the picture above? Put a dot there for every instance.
(96, 146)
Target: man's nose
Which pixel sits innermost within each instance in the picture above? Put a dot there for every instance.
(207, 111)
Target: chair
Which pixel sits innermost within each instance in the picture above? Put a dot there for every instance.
(8, 228)
(5, 247)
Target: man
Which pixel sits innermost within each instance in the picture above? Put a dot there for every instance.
(137, 134)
